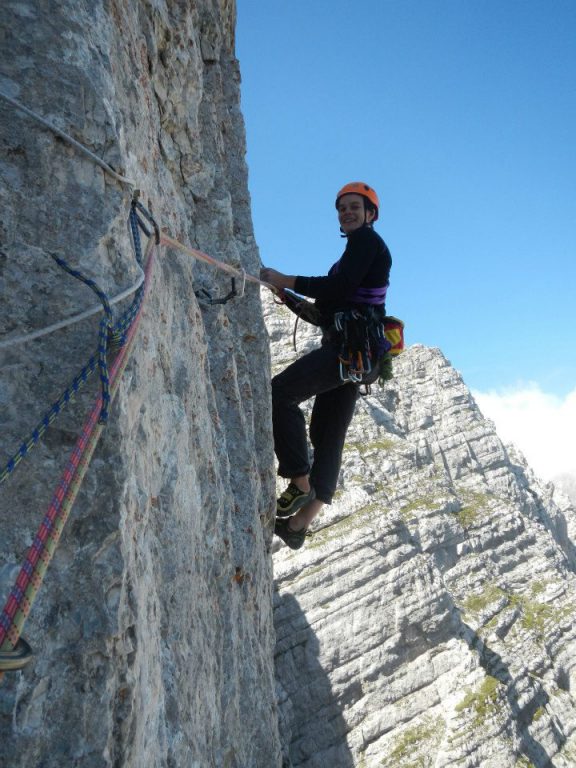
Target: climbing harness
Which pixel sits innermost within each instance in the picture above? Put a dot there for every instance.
(367, 339)
(355, 355)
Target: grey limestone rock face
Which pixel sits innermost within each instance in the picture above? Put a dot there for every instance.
(429, 620)
(153, 631)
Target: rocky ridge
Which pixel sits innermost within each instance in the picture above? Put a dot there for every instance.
(429, 619)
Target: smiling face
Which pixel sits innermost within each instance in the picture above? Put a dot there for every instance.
(352, 213)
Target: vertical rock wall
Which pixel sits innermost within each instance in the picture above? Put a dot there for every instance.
(152, 631)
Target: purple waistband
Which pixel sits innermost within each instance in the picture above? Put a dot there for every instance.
(369, 295)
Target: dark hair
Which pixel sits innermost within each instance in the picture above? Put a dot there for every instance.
(369, 206)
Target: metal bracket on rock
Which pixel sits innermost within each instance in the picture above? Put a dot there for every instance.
(146, 213)
(202, 293)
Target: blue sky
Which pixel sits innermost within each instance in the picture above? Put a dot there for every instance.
(462, 115)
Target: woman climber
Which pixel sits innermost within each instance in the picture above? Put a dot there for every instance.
(349, 307)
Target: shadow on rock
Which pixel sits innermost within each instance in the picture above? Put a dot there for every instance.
(521, 714)
(312, 727)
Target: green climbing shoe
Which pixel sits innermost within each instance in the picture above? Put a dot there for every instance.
(294, 539)
(293, 499)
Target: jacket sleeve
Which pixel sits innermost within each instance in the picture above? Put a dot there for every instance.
(354, 265)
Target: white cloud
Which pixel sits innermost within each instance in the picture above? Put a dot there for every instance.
(543, 426)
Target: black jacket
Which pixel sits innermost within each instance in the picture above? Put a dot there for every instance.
(365, 263)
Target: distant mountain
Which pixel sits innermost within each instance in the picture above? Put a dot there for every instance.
(566, 484)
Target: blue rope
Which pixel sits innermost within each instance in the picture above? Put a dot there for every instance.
(105, 325)
(127, 318)
(110, 336)
(65, 398)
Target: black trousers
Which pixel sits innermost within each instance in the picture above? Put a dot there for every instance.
(315, 374)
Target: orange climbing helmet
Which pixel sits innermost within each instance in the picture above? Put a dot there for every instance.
(360, 188)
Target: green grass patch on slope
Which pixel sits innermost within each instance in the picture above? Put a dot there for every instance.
(473, 505)
(415, 746)
(422, 503)
(534, 615)
(357, 519)
(376, 446)
(482, 703)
